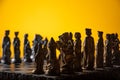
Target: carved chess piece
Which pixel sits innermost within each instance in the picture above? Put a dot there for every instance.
(108, 51)
(65, 45)
(100, 50)
(6, 48)
(16, 44)
(34, 47)
(53, 67)
(89, 49)
(77, 52)
(115, 49)
(45, 50)
(27, 50)
(39, 60)
(25, 42)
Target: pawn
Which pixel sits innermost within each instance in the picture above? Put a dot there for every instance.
(53, 67)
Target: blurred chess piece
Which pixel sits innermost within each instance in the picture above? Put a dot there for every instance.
(16, 44)
(100, 50)
(45, 48)
(39, 59)
(27, 50)
(108, 51)
(65, 46)
(77, 52)
(89, 49)
(53, 67)
(35, 46)
(6, 48)
(115, 50)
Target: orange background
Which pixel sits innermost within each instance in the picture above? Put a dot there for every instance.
(50, 18)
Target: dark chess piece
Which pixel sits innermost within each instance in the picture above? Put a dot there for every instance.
(16, 44)
(115, 49)
(77, 51)
(45, 50)
(65, 45)
(53, 67)
(89, 49)
(100, 50)
(39, 60)
(35, 45)
(25, 42)
(108, 51)
(6, 48)
(27, 50)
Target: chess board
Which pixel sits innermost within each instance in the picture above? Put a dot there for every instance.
(25, 68)
(23, 71)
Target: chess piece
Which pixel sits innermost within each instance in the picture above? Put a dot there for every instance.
(27, 50)
(53, 67)
(77, 52)
(39, 60)
(108, 51)
(89, 49)
(6, 48)
(16, 44)
(115, 49)
(99, 50)
(65, 46)
(35, 46)
(45, 50)
(25, 42)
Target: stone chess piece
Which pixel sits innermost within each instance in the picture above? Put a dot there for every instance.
(100, 50)
(65, 46)
(45, 48)
(89, 49)
(39, 60)
(115, 49)
(16, 44)
(27, 49)
(108, 51)
(25, 42)
(77, 52)
(53, 67)
(35, 45)
(6, 48)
